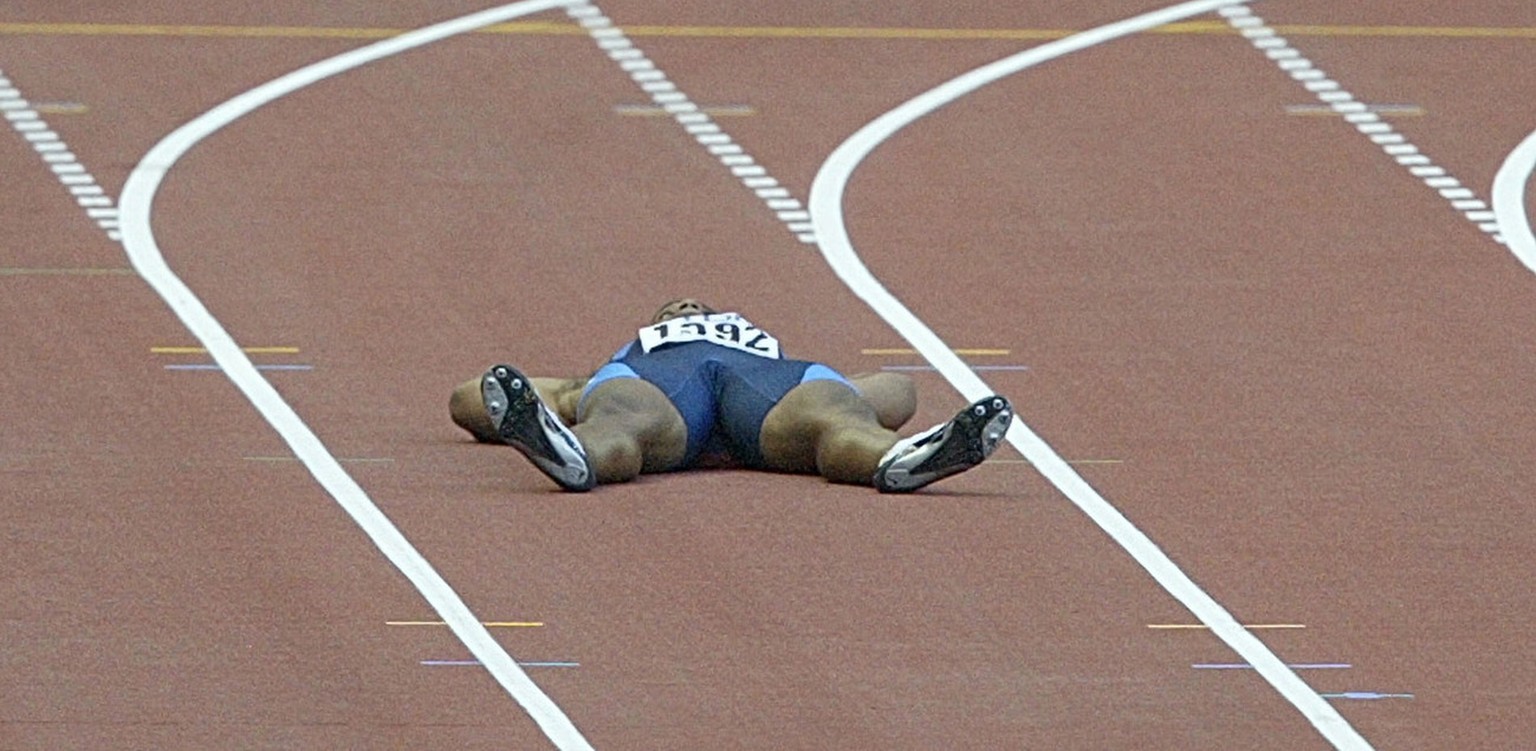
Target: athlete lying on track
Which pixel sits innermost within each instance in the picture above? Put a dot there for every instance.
(696, 385)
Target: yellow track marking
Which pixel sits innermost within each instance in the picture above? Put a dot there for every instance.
(841, 32)
(761, 32)
(487, 624)
(1474, 32)
(1196, 626)
(60, 108)
(113, 29)
(899, 351)
(535, 27)
(528, 28)
(281, 32)
(17, 271)
(249, 350)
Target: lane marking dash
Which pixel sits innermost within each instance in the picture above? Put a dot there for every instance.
(1291, 665)
(719, 110)
(204, 350)
(978, 352)
(521, 663)
(1202, 626)
(211, 366)
(487, 624)
(19, 271)
(1318, 110)
(922, 368)
(343, 459)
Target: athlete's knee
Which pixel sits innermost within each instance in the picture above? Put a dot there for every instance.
(850, 453)
(615, 456)
(814, 425)
(893, 396)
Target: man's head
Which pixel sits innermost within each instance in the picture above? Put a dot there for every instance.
(686, 306)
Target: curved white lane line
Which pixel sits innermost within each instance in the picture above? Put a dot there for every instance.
(139, 240)
(832, 234)
(1509, 201)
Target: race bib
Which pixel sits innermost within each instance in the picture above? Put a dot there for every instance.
(724, 329)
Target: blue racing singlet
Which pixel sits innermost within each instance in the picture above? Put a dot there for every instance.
(721, 373)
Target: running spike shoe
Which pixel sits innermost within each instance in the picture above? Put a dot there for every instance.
(945, 449)
(524, 423)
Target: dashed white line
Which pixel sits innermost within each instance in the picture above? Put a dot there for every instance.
(696, 123)
(27, 121)
(1368, 123)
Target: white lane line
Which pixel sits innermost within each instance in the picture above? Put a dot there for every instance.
(1509, 201)
(1367, 122)
(139, 240)
(826, 209)
(28, 122)
(695, 121)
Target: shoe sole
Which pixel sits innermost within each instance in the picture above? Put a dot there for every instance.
(524, 423)
(969, 438)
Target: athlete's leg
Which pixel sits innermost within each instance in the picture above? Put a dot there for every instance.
(628, 426)
(824, 427)
(893, 395)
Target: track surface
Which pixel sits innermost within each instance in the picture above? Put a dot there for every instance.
(1296, 367)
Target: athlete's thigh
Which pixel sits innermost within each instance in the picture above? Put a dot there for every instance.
(675, 378)
(755, 389)
(632, 408)
(794, 429)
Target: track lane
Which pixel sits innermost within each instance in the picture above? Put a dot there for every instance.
(826, 205)
(139, 241)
